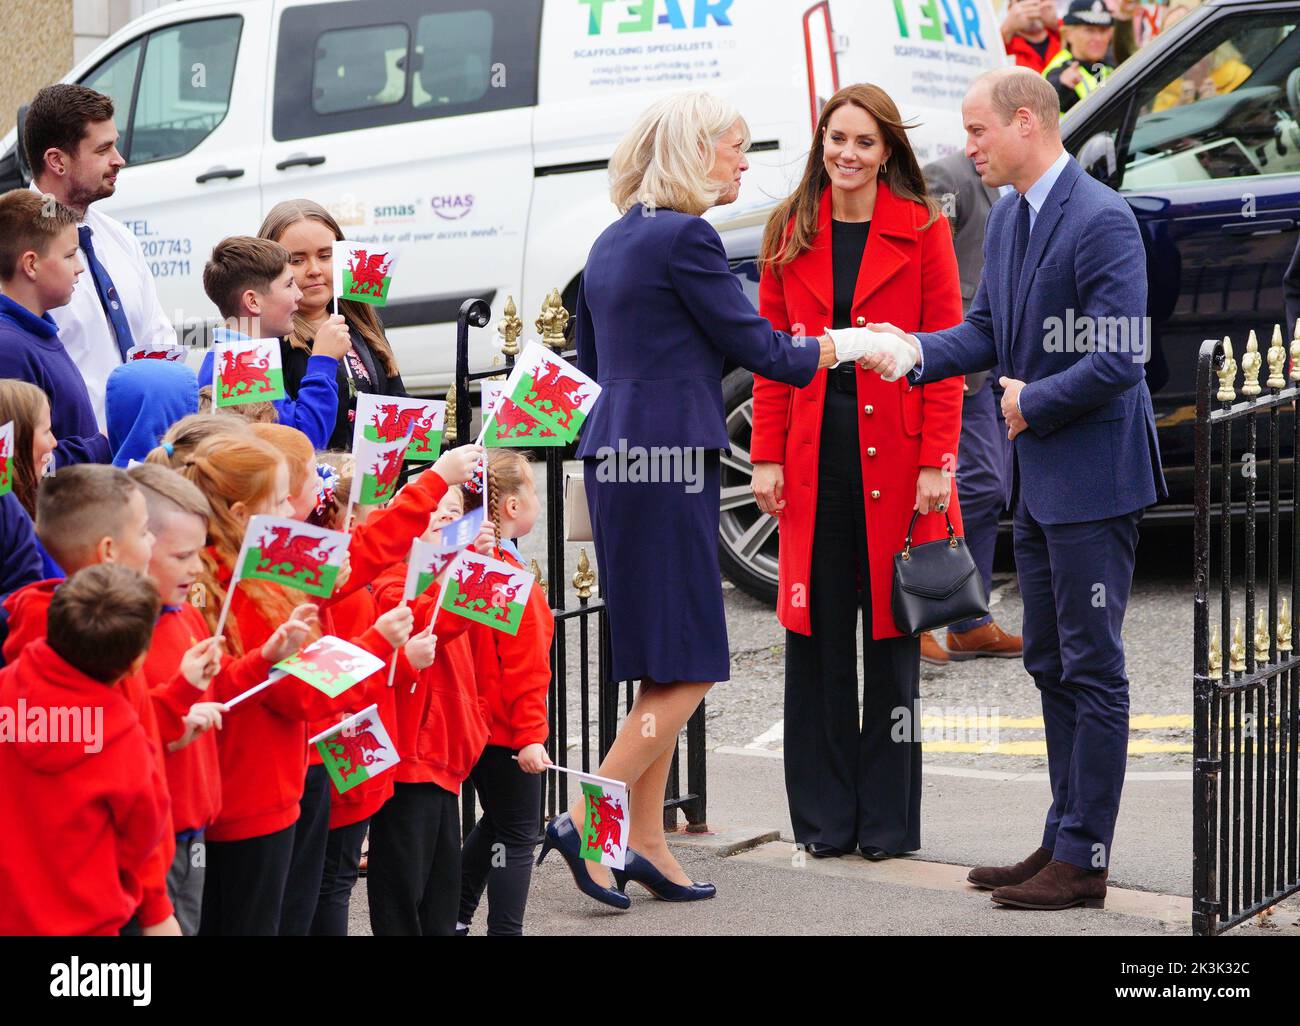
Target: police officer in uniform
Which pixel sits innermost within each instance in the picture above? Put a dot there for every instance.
(1080, 67)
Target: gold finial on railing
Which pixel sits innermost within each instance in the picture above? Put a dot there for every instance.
(1216, 654)
(449, 429)
(1261, 637)
(1237, 647)
(1276, 360)
(584, 580)
(510, 328)
(1295, 352)
(1251, 363)
(552, 321)
(1227, 374)
(1283, 626)
(535, 569)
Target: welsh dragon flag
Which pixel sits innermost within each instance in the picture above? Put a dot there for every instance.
(429, 559)
(247, 371)
(331, 665)
(378, 465)
(510, 426)
(363, 271)
(356, 750)
(487, 591)
(552, 390)
(291, 553)
(605, 820)
(382, 418)
(6, 458)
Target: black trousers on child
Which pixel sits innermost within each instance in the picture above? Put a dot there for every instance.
(342, 859)
(849, 784)
(310, 835)
(498, 853)
(243, 888)
(414, 876)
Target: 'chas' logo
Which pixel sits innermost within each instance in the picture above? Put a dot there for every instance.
(647, 15)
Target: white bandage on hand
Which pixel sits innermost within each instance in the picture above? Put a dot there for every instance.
(855, 343)
(904, 354)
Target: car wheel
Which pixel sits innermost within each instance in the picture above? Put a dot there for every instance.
(747, 539)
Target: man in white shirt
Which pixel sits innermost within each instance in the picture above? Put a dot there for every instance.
(71, 143)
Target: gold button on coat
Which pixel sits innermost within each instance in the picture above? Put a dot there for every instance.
(862, 322)
(868, 410)
(871, 451)
(875, 494)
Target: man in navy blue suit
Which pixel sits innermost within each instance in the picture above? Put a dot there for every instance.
(1061, 309)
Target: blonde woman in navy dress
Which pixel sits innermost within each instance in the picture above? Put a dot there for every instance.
(658, 314)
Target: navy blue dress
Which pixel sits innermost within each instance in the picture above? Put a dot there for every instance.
(659, 312)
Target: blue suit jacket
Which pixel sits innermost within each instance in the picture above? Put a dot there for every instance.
(658, 314)
(1090, 452)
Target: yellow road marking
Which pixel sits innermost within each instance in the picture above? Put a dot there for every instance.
(1143, 721)
(1138, 746)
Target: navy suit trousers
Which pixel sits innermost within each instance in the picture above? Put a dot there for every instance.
(1075, 580)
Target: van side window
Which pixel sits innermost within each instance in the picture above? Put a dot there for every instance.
(183, 92)
(357, 64)
(360, 68)
(1226, 105)
(184, 88)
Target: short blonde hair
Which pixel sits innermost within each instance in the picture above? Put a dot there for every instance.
(665, 160)
(1010, 89)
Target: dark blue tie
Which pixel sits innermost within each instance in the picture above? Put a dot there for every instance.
(1020, 245)
(108, 297)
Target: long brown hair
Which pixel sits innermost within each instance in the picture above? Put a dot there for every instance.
(21, 402)
(360, 316)
(793, 225)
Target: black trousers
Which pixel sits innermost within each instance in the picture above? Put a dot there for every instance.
(414, 875)
(310, 835)
(243, 889)
(498, 852)
(850, 783)
(342, 859)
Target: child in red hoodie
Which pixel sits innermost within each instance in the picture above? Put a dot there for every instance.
(91, 514)
(178, 518)
(414, 875)
(262, 746)
(514, 676)
(82, 808)
(327, 845)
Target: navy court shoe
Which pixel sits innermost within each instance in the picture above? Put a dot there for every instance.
(563, 836)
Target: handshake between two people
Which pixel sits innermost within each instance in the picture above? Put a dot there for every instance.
(883, 348)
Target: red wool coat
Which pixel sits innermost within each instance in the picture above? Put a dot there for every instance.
(908, 278)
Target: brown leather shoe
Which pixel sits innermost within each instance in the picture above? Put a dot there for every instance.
(989, 877)
(1058, 885)
(932, 651)
(989, 640)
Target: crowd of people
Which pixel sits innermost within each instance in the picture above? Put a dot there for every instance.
(138, 801)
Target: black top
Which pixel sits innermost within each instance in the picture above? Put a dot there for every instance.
(370, 376)
(848, 242)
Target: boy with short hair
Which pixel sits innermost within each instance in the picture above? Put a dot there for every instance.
(92, 514)
(81, 812)
(251, 283)
(178, 518)
(39, 267)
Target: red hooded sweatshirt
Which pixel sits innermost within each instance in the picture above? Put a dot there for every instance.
(77, 828)
(514, 671)
(28, 610)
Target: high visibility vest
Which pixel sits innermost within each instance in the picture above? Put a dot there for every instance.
(1088, 82)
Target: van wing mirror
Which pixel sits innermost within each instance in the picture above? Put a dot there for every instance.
(1097, 156)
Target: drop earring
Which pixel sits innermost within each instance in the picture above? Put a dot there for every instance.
(884, 167)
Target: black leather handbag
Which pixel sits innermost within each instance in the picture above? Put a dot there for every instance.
(936, 583)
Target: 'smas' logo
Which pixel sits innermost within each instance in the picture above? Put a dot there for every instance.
(395, 213)
(648, 15)
(937, 20)
(453, 208)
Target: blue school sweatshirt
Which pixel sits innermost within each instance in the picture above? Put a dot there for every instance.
(316, 408)
(142, 400)
(30, 351)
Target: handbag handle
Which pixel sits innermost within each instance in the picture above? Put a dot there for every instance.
(907, 542)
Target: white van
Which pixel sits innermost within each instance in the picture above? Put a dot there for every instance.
(474, 135)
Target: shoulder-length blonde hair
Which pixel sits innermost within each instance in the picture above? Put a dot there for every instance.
(360, 316)
(792, 228)
(665, 160)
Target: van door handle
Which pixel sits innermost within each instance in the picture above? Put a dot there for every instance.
(220, 172)
(299, 160)
(1274, 227)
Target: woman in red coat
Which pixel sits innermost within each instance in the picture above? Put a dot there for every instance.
(844, 462)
